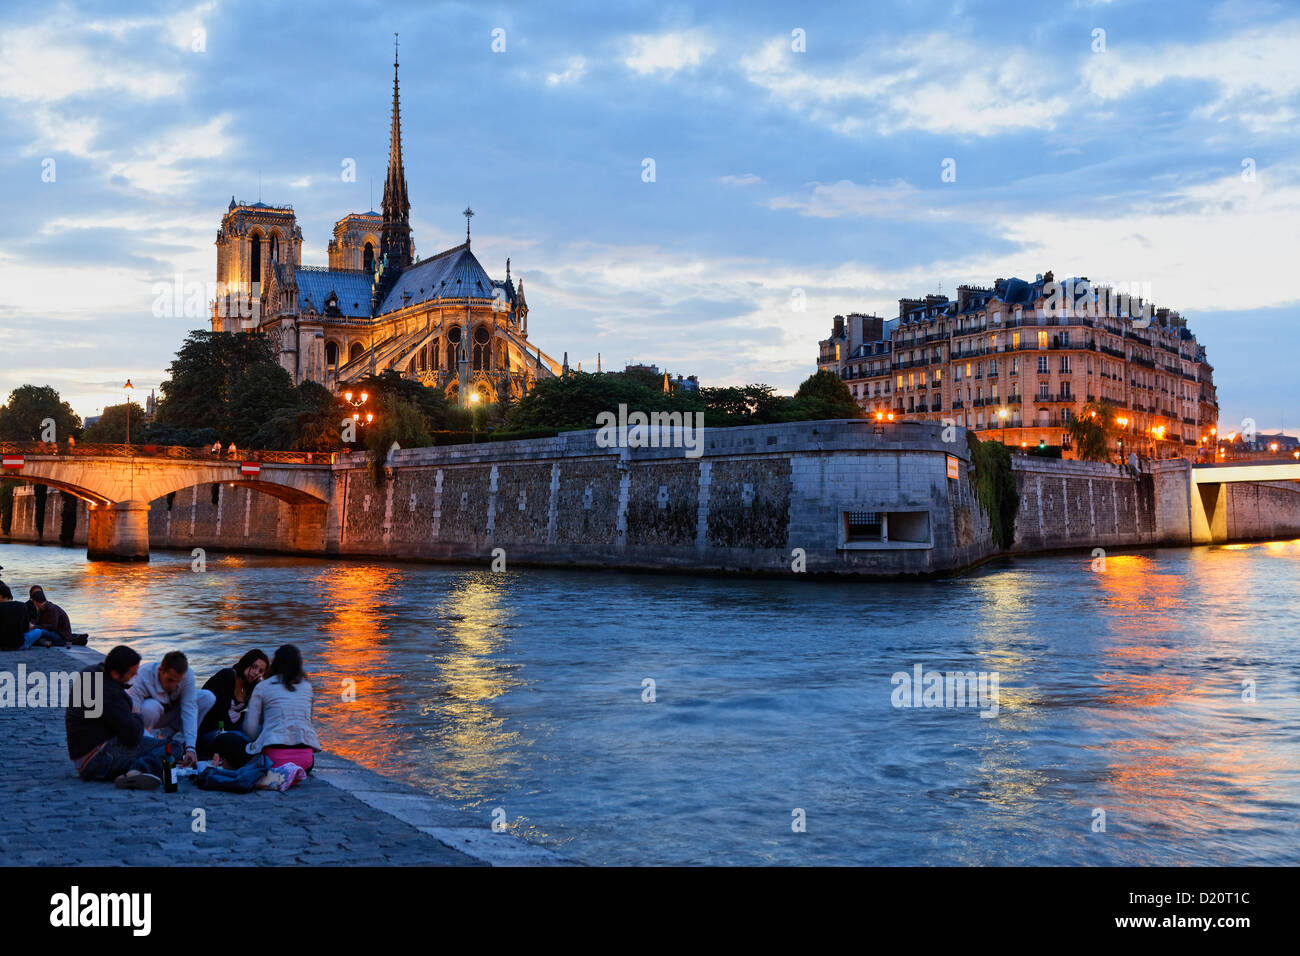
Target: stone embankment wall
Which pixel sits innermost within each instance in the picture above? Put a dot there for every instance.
(1262, 510)
(758, 499)
(1081, 504)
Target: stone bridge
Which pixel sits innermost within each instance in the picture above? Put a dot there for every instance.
(118, 482)
(1209, 493)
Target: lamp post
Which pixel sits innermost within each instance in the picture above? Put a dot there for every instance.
(1002, 416)
(473, 418)
(357, 403)
(127, 389)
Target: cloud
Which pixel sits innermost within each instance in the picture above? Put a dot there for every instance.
(572, 72)
(667, 52)
(167, 163)
(847, 198)
(44, 64)
(747, 179)
(1255, 73)
(935, 83)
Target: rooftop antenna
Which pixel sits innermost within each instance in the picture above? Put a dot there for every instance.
(468, 214)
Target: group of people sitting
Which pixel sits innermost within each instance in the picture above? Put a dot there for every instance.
(247, 720)
(37, 622)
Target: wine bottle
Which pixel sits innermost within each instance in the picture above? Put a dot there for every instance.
(169, 770)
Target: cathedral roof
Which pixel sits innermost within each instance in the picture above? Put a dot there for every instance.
(454, 274)
(352, 286)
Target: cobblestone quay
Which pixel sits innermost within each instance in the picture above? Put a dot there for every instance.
(342, 814)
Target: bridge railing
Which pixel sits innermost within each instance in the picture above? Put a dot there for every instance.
(182, 452)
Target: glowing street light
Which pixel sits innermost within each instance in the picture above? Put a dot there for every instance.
(127, 389)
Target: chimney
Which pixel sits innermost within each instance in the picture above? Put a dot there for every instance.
(838, 331)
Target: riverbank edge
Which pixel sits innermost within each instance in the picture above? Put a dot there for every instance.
(678, 571)
(451, 826)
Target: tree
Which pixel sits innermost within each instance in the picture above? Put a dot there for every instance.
(1094, 431)
(257, 395)
(314, 422)
(23, 418)
(430, 402)
(575, 400)
(822, 395)
(397, 420)
(111, 427)
(208, 374)
(741, 405)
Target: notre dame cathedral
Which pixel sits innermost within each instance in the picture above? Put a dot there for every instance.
(442, 320)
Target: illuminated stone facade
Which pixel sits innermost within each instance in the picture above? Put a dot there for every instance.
(1017, 360)
(442, 321)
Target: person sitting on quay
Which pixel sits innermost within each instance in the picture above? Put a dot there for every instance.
(231, 687)
(216, 449)
(167, 699)
(112, 745)
(232, 451)
(50, 624)
(15, 621)
(278, 718)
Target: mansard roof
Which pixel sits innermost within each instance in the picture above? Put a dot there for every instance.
(352, 285)
(453, 274)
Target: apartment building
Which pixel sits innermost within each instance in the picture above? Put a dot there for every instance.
(1017, 359)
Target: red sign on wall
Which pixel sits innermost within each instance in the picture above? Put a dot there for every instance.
(14, 461)
(954, 467)
(250, 468)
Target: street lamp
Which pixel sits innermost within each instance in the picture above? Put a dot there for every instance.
(357, 403)
(127, 389)
(473, 418)
(1002, 415)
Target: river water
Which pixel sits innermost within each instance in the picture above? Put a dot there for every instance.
(1122, 691)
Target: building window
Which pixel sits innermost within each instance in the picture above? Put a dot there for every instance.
(1065, 363)
(368, 258)
(864, 526)
(1065, 339)
(1043, 390)
(1015, 340)
(255, 251)
(1042, 365)
(482, 355)
(1042, 340)
(1065, 389)
(331, 353)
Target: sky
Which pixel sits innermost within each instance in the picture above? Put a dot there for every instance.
(697, 187)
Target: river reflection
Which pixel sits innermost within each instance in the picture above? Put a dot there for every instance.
(1160, 690)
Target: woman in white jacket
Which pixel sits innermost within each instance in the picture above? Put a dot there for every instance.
(278, 716)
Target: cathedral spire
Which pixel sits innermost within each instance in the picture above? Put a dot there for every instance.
(395, 236)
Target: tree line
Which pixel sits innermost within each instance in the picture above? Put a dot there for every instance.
(228, 387)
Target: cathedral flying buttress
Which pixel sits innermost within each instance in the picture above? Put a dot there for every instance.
(442, 321)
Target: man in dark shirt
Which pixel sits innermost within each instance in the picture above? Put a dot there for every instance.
(50, 620)
(15, 622)
(108, 742)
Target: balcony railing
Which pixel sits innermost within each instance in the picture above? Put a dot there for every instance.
(182, 452)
